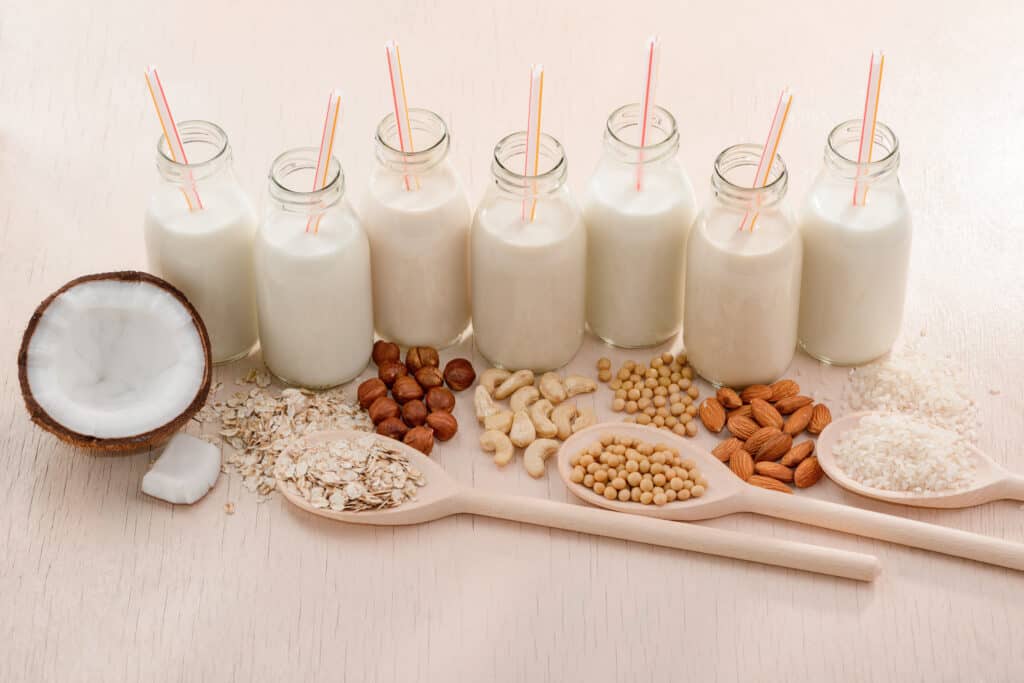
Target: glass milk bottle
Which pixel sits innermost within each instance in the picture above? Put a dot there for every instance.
(636, 238)
(199, 235)
(857, 256)
(312, 277)
(742, 286)
(417, 217)
(528, 276)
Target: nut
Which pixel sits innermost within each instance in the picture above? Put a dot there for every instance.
(393, 428)
(765, 414)
(523, 433)
(551, 387)
(585, 417)
(769, 483)
(440, 399)
(444, 425)
(501, 421)
(390, 370)
(370, 390)
(421, 356)
(761, 391)
(459, 374)
(784, 388)
(406, 389)
(775, 447)
(535, 455)
(522, 398)
(798, 421)
(742, 411)
(483, 403)
(729, 398)
(578, 384)
(562, 416)
(517, 380)
(741, 426)
(382, 409)
(741, 464)
(428, 377)
(797, 453)
(712, 414)
(414, 413)
(493, 441)
(774, 470)
(383, 351)
(808, 473)
(540, 414)
(724, 450)
(759, 438)
(821, 416)
(492, 377)
(792, 404)
(420, 438)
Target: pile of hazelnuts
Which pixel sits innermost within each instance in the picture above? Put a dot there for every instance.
(419, 408)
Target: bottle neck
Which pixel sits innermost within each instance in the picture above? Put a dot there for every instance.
(291, 182)
(734, 173)
(509, 165)
(842, 149)
(206, 148)
(427, 147)
(623, 133)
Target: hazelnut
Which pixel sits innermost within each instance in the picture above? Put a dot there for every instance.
(406, 389)
(440, 399)
(444, 425)
(382, 409)
(383, 351)
(414, 413)
(370, 391)
(393, 428)
(421, 356)
(420, 438)
(428, 376)
(390, 370)
(459, 374)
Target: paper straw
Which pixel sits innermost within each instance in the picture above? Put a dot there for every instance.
(401, 104)
(170, 131)
(323, 161)
(769, 152)
(652, 56)
(531, 163)
(868, 123)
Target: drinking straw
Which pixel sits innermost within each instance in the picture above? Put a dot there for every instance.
(769, 151)
(401, 104)
(323, 161)
(531, 163)
(653, 57)
(170, 131)
(868, 123)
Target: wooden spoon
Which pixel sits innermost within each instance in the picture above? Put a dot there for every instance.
(442, 497)
(992, 482)
(727, 494)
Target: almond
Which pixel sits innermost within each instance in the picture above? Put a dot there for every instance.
(807, 473)
(792, 404)
(821, 416)
(761, 391)
(742, 427)
(725, 449)
(741, 464)
(764, 414)
(798, 421)
(774, 470)
(712, 414)
(759, 438)
(784, 388)
(744, 411)
(729, 398)
(775, 447)
(769, 483)
(797, 453)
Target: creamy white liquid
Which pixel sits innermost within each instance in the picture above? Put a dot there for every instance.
(528, 282)
(855, 271)
(742, 297)
(314, 294)
(207, 254)
(636, 253)
(419, 241)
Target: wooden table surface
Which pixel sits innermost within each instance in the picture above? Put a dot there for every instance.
(99, 582)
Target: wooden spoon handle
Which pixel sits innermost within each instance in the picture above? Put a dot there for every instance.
(1012, 487)
(890, 528)
(679, 535)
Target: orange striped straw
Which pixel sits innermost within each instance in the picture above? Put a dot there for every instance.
(768, 153)
(171, 135)
(531, 163)
(323, 161)
(653, 57)
(400, 103)
(868, 123)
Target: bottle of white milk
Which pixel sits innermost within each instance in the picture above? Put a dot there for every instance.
(855, 256)
(638, 210)
(528, 276)
(742, 286)
(205, 250)
(313, 277)
(417, 217)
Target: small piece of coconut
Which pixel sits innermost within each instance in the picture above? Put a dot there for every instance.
(184, 472)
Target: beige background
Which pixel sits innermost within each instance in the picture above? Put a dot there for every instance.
(99, 582)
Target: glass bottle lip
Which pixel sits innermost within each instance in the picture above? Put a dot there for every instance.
(513, 146)
(305, 159)
(847, 132)
(194, 131)
(748, 155)
(429, 122)
(627, 117)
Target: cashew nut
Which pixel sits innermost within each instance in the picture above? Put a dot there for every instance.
(534, 457)
(578, 384)
(493, 441)
(492, 377)
(523, 397)
(502, 421)
(584, 418)
(539, 413)
(523, 432)
(484, 404)
(552, 388)
(518, 380)
(562, 416)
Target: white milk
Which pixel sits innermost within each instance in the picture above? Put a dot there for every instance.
(856, 258)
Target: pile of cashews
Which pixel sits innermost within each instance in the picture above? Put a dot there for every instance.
(537, 417)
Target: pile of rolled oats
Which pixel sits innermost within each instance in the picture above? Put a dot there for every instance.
(365, 474)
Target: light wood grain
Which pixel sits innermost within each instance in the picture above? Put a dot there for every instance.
(102, 583)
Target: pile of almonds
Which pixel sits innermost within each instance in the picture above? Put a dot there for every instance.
(764, 420)
(660, 394)
(420, 406)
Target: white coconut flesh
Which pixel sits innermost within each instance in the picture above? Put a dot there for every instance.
(113, 359)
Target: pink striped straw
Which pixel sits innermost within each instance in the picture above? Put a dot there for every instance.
(531, 163)
(769, 152)
(400, 103)
(171, 135)
(868, 123)
(653, 57)
(323, 160)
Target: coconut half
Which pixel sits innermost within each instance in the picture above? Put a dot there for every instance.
(115, 362)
